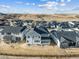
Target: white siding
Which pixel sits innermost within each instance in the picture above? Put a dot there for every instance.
(32, 36)
(56, 40)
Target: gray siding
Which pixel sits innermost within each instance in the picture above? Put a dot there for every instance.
(32, 37)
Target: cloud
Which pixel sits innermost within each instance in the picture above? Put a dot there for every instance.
(68, 0)
(33, 4)
(52, 5)
(57, 0)
(62, 4)
(62, 0)
(65, 0)
(48, 5)
(20, 2)
(25, 3)
(4, 6)
(43, 0)
(76, 8)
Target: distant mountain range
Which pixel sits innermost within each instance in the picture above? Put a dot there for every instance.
(77, 8)
(2, 13)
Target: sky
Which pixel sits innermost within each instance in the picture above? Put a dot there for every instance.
(40, 6)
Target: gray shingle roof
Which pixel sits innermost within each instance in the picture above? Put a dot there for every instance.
(68, 35)
(41, 30)
(10, 29)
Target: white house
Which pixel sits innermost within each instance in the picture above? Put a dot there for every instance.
(32, 37)
(38, 36)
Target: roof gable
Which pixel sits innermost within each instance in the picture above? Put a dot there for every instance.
(41, 30)
(32, 32)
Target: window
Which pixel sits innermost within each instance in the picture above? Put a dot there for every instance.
(8, 33)
(45, 41)
(33, 37)
(18, 38)
(37, 41)
(72, 44)
(27, 41)
(2, 33)
(17, 33)
(39, 36)
(28, 36)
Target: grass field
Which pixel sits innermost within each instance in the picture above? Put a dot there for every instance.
(24, 50)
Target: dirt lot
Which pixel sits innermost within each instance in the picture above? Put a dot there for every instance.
(24, 50)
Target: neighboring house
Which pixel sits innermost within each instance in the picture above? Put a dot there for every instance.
(11, 34)
(28, 23)
(4, 22)
(32, 37)
(45, 36)
(18, 23)
(65, 39)
(71, 24)
(10, 21)
(77, 38)
(76, 24)
(45, 24)
(38, 36)
(53, 24)
(64, 25)
(42, 23)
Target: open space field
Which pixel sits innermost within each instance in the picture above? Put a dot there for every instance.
(42, 17)
(20, 57)
(24, 50)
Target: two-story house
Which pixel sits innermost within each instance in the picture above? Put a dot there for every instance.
(11, 34)
(65, 39)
